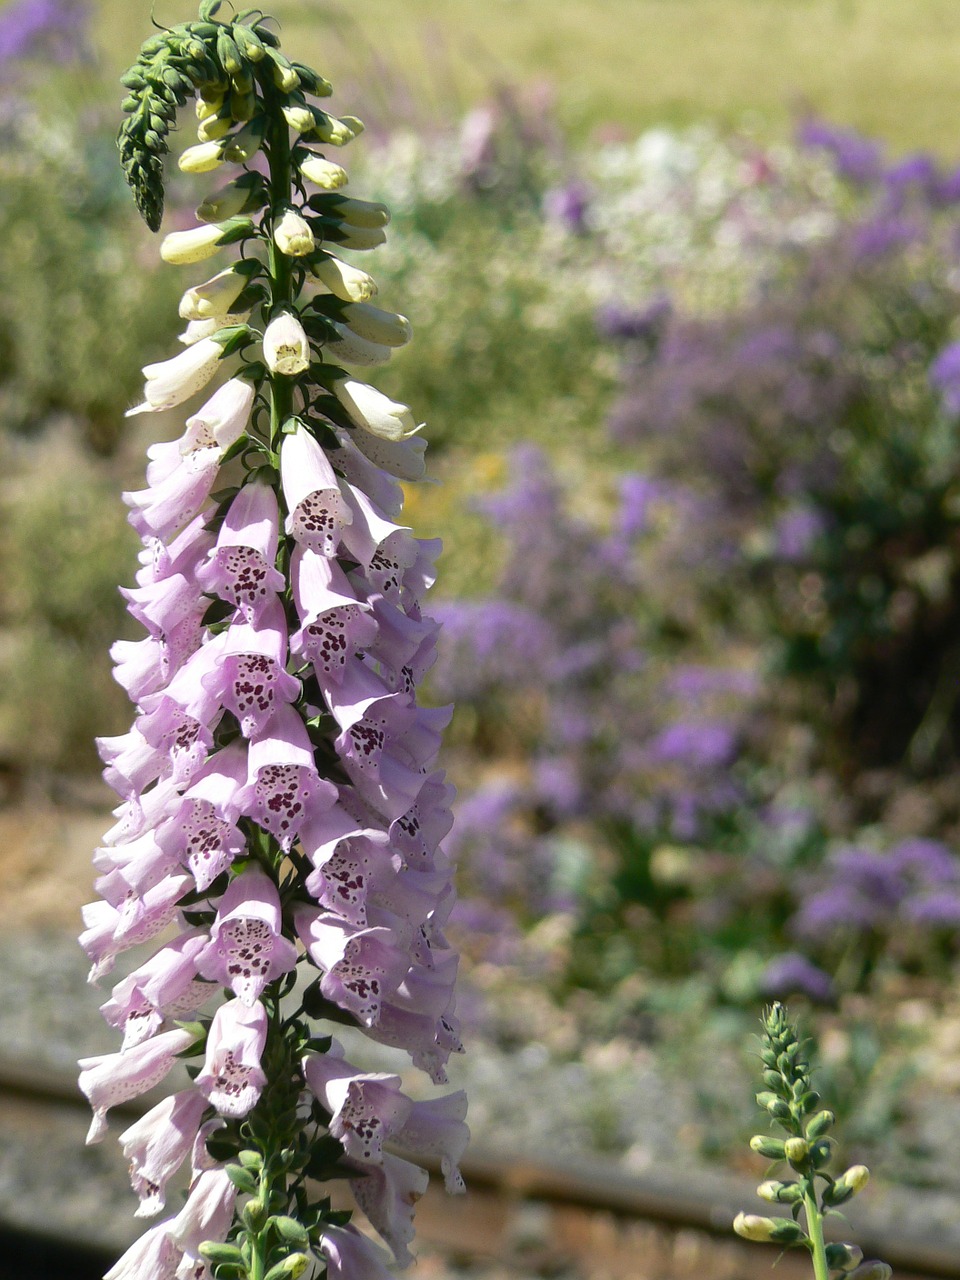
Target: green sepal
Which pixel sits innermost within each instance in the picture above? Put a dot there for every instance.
(267, 36)
(209, 9)
(197, 1029)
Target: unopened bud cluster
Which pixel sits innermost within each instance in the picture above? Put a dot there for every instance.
(794, 1106)
(277, 843)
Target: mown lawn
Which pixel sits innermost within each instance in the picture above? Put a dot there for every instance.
(888, 67)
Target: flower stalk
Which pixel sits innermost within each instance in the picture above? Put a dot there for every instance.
(794, 1106)
(279, 805)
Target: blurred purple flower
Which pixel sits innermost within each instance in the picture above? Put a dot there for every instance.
(883, 234)
(616, 321)
(52, 28)
(945, 377)
(702, 744)
(796, 531)
(793, 974)
(928, 862)
(856, 158)
(939, 910)
(568, 206)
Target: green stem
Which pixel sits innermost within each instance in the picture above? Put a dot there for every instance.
(278, 265)
(815, 1231)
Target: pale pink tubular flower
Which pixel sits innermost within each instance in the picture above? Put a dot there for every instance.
(232, 1078)
(117, 1077)
(158, 1143)
(246, 948)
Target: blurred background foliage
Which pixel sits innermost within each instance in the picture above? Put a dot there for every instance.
(693, 394)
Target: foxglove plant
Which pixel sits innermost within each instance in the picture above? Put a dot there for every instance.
(794, 1106)
(280, 818)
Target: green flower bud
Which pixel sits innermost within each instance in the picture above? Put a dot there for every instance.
(228, 54)
(843, 1257)
(251, 1160)
(242, 1179)
(292, 1231)
(284, 76)
(217, 1253)
(782, 1230)
(780, 1192)
(772, 1079)
(249, 43)
(312, 82)
(254, 1213)
(819, 1124)
(809, 1101)
(796, 1150)
(772, 1148)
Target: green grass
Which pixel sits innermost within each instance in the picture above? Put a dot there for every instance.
(888, 67)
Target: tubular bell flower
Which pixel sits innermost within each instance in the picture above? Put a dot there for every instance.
(285, 346)
(277, 841)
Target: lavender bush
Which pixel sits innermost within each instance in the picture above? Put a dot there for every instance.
(279, 807)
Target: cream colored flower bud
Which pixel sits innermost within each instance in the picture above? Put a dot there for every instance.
(239, 147)
(180, 247)
(344, 280)
(383, 327)
(203, 158)
(285, 346)
(333, 131)
(197, 329)
(299, 118)
(872, 1270)
(209, 107)
(359, 238)
(239, 196)
(292, 235)
(214, 297)
(372, 410)
(323, 173)
(172, 381)
(348, 348)
(215, 127)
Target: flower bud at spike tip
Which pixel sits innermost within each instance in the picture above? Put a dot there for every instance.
(285, 346)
